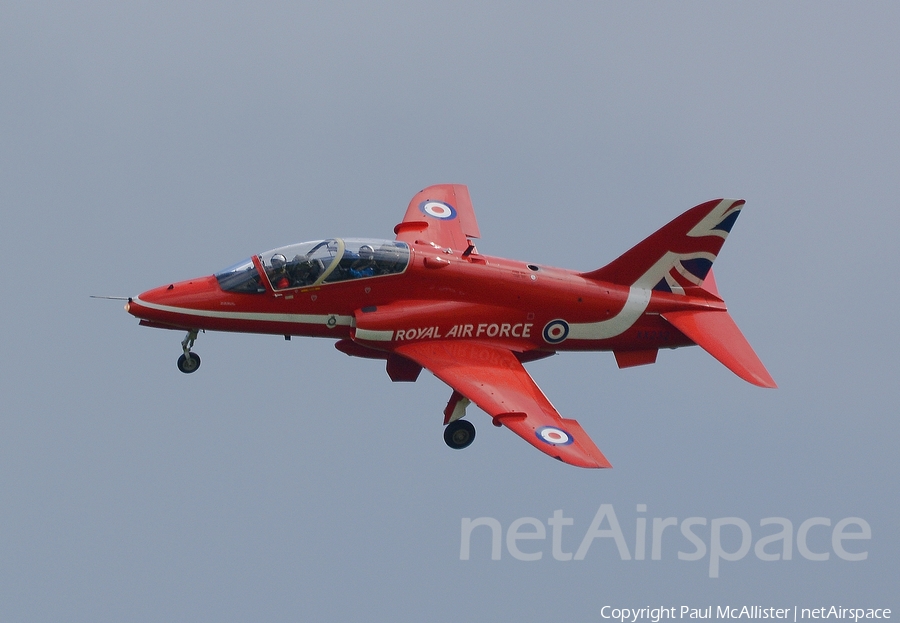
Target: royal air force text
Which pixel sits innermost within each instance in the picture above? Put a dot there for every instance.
(508, 330)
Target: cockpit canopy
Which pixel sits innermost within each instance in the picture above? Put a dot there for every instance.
(318, 262)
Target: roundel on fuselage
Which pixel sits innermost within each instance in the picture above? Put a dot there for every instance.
(438, 209)
(556, 331)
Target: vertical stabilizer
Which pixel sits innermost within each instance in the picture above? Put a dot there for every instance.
(680, 254)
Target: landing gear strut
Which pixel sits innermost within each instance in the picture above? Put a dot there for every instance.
(189, 362)
(459, 434)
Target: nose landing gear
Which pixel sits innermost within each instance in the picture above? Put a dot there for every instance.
(189, 362)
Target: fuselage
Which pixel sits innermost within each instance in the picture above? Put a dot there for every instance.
(429, 301)
(382, 294)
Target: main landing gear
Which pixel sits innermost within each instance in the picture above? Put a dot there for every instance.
(459, 434)
(189, 362)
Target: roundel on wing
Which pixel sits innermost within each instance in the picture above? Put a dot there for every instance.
(556, 331)
(438, 209)
(554, 436)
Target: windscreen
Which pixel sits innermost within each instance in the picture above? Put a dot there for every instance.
(242, 277)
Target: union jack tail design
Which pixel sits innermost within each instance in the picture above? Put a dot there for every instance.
(680, 254)
(679, 257)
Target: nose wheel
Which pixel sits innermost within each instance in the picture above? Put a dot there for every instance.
(189, 362)
(459, 434)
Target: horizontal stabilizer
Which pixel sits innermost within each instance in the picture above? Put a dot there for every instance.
(716, 333)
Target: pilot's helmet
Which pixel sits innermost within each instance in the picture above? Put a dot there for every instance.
(278, 260)
(366, 252)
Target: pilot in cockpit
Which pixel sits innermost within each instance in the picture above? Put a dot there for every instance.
(278, 275)
(306, 270)
(364, 265)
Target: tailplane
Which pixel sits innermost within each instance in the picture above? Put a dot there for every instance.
(716, 333)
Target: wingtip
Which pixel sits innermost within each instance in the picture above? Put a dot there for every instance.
(589, 462)
(766, 382)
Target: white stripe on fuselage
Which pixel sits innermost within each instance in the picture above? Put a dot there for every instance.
(636, 303)
(638, 299)
(261, 316)
(372, 335)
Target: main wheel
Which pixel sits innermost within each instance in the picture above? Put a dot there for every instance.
(189, 364)
(459, 434)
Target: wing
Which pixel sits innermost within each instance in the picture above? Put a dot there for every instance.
(493, 379)
(441, 214)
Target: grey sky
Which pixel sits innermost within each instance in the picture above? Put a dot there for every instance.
(142, 143)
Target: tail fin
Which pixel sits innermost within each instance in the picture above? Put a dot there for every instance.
(680, 254)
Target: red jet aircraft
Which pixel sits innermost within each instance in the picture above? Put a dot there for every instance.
(429, 299)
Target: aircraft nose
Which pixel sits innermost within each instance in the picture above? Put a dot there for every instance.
(177, 304)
